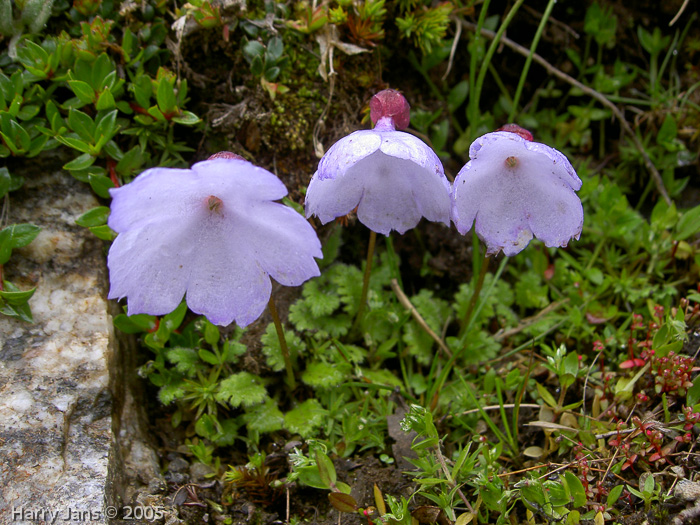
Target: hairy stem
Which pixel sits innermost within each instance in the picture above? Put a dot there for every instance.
(283, 344)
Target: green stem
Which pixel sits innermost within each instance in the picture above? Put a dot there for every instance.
(528, 60)
(596, 252)
(475, 294)
(476, 95)
(365, 280)
(283, 344)
(473, 108)
(462, 345)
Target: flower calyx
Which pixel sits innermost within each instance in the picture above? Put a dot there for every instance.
(514, 128)
(392, 105)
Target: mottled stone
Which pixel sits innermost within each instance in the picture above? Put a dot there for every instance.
(60, 409)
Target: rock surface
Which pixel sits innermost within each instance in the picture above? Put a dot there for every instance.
(60, 409)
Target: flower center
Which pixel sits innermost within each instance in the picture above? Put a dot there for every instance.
(215, 204)
(511, 162)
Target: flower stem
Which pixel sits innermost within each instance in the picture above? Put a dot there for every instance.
(528, 60)
(283, 344)
(475, 294)
(365, 281)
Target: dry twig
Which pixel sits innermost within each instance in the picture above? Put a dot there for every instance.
(405, 301)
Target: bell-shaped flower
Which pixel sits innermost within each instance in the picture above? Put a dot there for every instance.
(213, 234)
(512, 189)
(391, 177)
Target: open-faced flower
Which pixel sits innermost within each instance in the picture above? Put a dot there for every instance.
(512, 189)
(213, 234)
(391, 177)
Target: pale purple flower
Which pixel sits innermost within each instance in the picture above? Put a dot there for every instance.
(211, 233)
(512, 189)
(391, 177)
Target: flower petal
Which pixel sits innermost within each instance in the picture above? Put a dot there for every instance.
(283, 242)
(237, 180)
(328, 198)
(556, 215)
(158, 193)
(151, 267)
(388, 202)
(226, 282)
(346, 152)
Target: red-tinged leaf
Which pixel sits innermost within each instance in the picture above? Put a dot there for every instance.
(595, 318)
(549, 272)
(631, 363)
(343, 502)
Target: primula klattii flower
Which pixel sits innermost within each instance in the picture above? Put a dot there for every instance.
(512, 189)
(391, 177)
(212, 233)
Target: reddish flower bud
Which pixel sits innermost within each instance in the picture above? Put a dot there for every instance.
(390, 103)
(225, 155)
(514, 128)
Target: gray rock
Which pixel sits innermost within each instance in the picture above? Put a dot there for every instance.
(71, 435)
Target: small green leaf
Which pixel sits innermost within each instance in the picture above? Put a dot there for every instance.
(266, 417)
(243, 388)
(187, 118)
(668, 130)
(80, 163)
(101, 185)
(95, 217)
(546, 396)
(83, 91)
(5, 181)
(104, 232)
(322, 375)
(649, 485)
(82, 124)
(105, 101)
(74, 143)
(135, 324)
(207, 427)
(185, 360)
(16, 298)
(165, 96)
(578, 493)
(23, 234)
(688, 224)
(532, 492)
(614, 494)
(305, 418)
(457, 96)
(326, 470)
(208, 357)
(693, 392)
(105, 126)
(211, 334)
